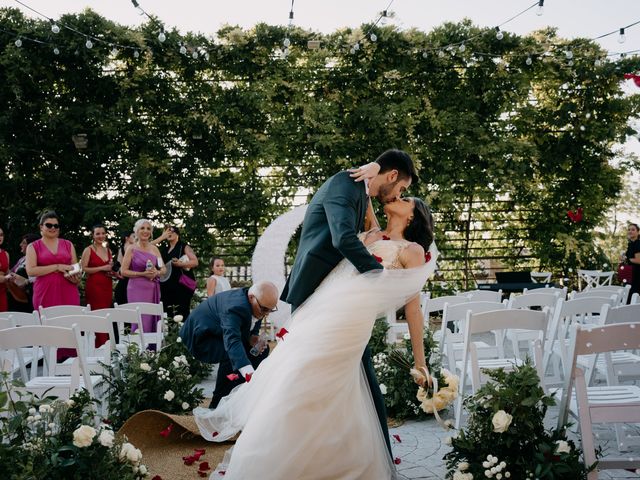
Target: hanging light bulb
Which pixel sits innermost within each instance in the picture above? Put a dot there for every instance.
(183, 50)
(290, 18)
(425, 54)
(373, 37)
(352, 50)
(56, 51)
(286, 42)
(383, 18)
(441, 53)
(55, 28)
(540, 9)
(18, 43)
(598, 62)
(136, 54)
(88, 44)
(499, 34)
(356, 46)
(568, 54)
(462, 47)
(206, 56)
(161, 36)
(528, 61)
(570, 63)
(622, 37)
(194, 55)
(114, 51)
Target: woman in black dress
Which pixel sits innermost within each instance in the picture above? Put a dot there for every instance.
(633, 257)
(176, 291)
(120, 292)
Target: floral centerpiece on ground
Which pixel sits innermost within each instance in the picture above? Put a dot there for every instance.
(141, 379)
(58, 440)
(505, 435)
(403, 398)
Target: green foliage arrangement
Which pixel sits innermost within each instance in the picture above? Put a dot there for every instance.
(142, 380)
(49, 439)
(505, 436)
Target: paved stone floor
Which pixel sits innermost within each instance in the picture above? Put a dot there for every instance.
(423, 445)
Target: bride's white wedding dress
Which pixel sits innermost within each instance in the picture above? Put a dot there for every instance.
(307, 412)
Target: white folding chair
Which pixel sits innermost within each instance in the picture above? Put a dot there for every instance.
(89, 326)
(594, 278)
(612, 404)
(471, 365)
(145, 308)
(452, 340)
(483, 295)
(123, 318)
(635, 299)
(14, 358)
(622, 292)
(50, 339)
(61, 310)
(541, 277)
(20, 319)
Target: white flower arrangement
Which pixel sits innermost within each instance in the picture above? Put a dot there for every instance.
(83, 436)
(501, 421)
(443, 397)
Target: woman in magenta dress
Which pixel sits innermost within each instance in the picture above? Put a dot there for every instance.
(49, 259)
(97, 264)
(142, 264)
(4, 274)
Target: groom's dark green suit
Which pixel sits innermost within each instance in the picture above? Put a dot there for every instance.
(330, 229)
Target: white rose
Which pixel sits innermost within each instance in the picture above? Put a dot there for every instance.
(44, 408)
(70, 403)
(169, 395)
(130, 452)
(463, 466)
(383, 388)
(32, 411)
(448, 440)
(143, 470)
(179, 340)
(145, 367)
(562, 447)
(83, 436)
(501, 421)
(178, 318)
(406, 336)
(185, 406)
(106, 438)
(462, 476)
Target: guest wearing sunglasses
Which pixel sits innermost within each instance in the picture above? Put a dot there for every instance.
(51, 261)
(224, 329)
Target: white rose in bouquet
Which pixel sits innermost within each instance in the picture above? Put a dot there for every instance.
(169, 395)
(178, 318)
(83, 436)
(562, 447)
(145, 367)
(106, 438)
(501, 421)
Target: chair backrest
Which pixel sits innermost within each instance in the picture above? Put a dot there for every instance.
(541, 277)
(542, 299)
(437, 304)
(87, 324)
(424, 300)
(145, 308)
(594, 278)
(22, 318)
(6, 323)
(62, 310)
(53, 338)
(635, 299)
(560, 291)
(622, 292)
(483, 295)
(505, 319)
(122, 317)
(623, 314)
(454, 313)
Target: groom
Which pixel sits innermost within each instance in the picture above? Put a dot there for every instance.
(331, 224)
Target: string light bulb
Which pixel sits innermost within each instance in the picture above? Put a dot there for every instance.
(55, 28)
(462, 47)
(499, 34)
(194, 55)
(290, 18)
(88, 44)
(162, 37)
(56, 51)
(373, 37)
(425, 54)
(568, 54)
(114, 51)
(540, 10)
(136, 54)
(356, 46)
(183, 50)
(18, 43)
(383, 18)
(622, 37)
(286, 42)
(598, 62)
(528, 61)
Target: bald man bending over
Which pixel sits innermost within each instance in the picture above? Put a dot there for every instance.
(223, 328)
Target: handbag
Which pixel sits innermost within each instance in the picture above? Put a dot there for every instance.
(625, 273)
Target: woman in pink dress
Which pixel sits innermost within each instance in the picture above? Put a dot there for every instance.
(142, 264)
(4, 275)
(49, 259)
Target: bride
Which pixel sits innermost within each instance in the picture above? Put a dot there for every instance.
(307, 412)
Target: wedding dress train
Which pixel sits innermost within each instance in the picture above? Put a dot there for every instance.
(307, 412)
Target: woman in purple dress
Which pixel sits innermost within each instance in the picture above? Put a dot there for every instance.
(142, 264)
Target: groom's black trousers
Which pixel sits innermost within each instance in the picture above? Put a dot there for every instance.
(376, 394)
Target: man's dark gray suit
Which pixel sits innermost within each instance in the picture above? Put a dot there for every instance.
(330, 229)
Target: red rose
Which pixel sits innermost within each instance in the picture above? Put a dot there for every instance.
(281, 333)
(427, 257)
(397, 461)
(378, 259)
(165, 433)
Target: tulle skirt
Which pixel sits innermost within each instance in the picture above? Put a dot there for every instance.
(307, 412)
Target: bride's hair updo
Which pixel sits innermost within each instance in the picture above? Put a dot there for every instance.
(420, 229)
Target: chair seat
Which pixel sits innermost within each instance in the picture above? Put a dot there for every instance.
(617, 358)
(612, 396)
(59, 381)
(493, 363)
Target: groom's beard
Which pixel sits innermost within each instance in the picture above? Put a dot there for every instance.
(385, 193)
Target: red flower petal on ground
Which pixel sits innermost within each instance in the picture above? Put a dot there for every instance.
(214, 435)
(222, 472)
(233, 377)
(248, 376)
(427, 257)
(397, 437)
(165, 433)
(384, 237)
(202, 474)
(378, 259)
(397, 461)
(157, 477)
(281, 333)
(196, 456)
(202, 450)
(188, 460)
(204, 466)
